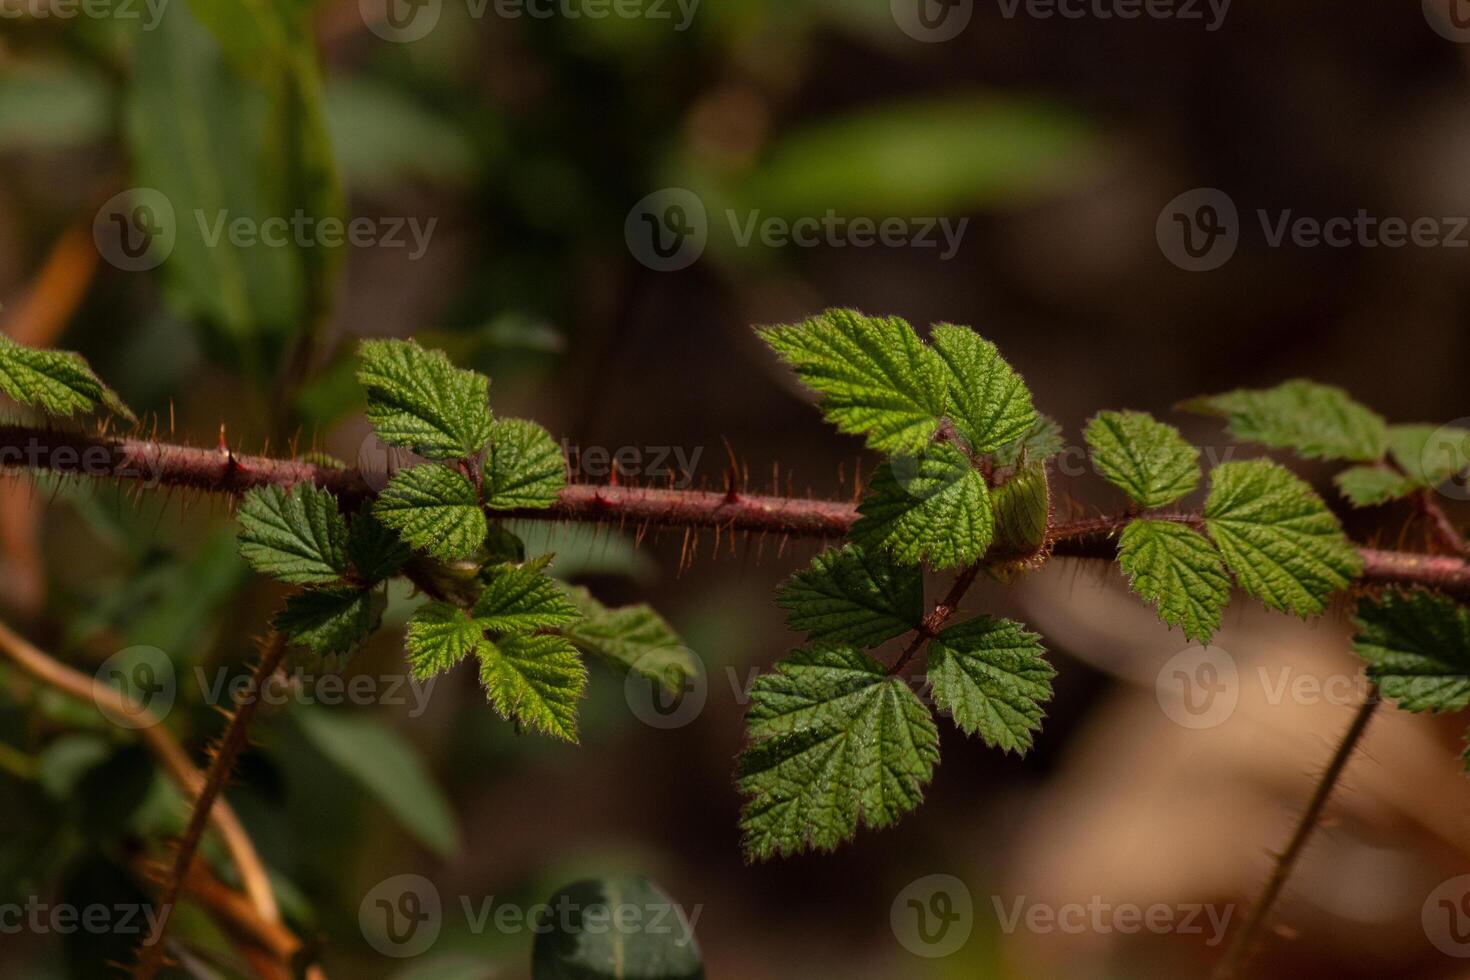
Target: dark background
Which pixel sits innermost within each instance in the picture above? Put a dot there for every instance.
(529, 140)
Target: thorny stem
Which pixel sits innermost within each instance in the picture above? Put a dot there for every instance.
(157, 739)
(151, 954)
(1444, 528)
(938, 616)
(166, 465)
(1240, 947)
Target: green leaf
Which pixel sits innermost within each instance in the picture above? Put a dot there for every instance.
(435, 509)
(1039, 443)
(56, 382)
(1317, 421)
(1147, 459)
(440, 635)
(1283, 544)
(522, 599)
(657, 944)
(991, 675)
(388, 767)
(331, 621)
(224, 123)
(1022, 513)
(374, 550)
(835, 743)
(933, 508)
(535, 681)
(1429, 454)
(959, 155)
(987, 400)
(1366, 486)
(417, 398)
(1417, 645)
(1179, 571)
(526, 467)
(631, 638)
(298, 536)
(876, 376)
(850, 595)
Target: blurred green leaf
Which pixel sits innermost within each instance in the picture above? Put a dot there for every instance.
(52, 105)
(449, 966)
(927, 158)
(389, 768)
(229, 133)
(383, 137)
(65, 761)
(617, 928)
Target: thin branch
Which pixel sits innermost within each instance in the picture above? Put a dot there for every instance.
(214, 471)
(156, 738)
(1444, 528)
(1240, 947)
(151, 954)
(270, 946)
(938, 616)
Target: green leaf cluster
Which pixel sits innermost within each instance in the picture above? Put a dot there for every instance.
(56, 382)
(938, 409)
(1263, 524)
(523, 628)
(1319, 421)
(300, 536)
(530, 675)
(1417, 646)
(419, 400)
(836, 741)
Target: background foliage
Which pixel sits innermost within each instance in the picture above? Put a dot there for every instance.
(527, 142)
